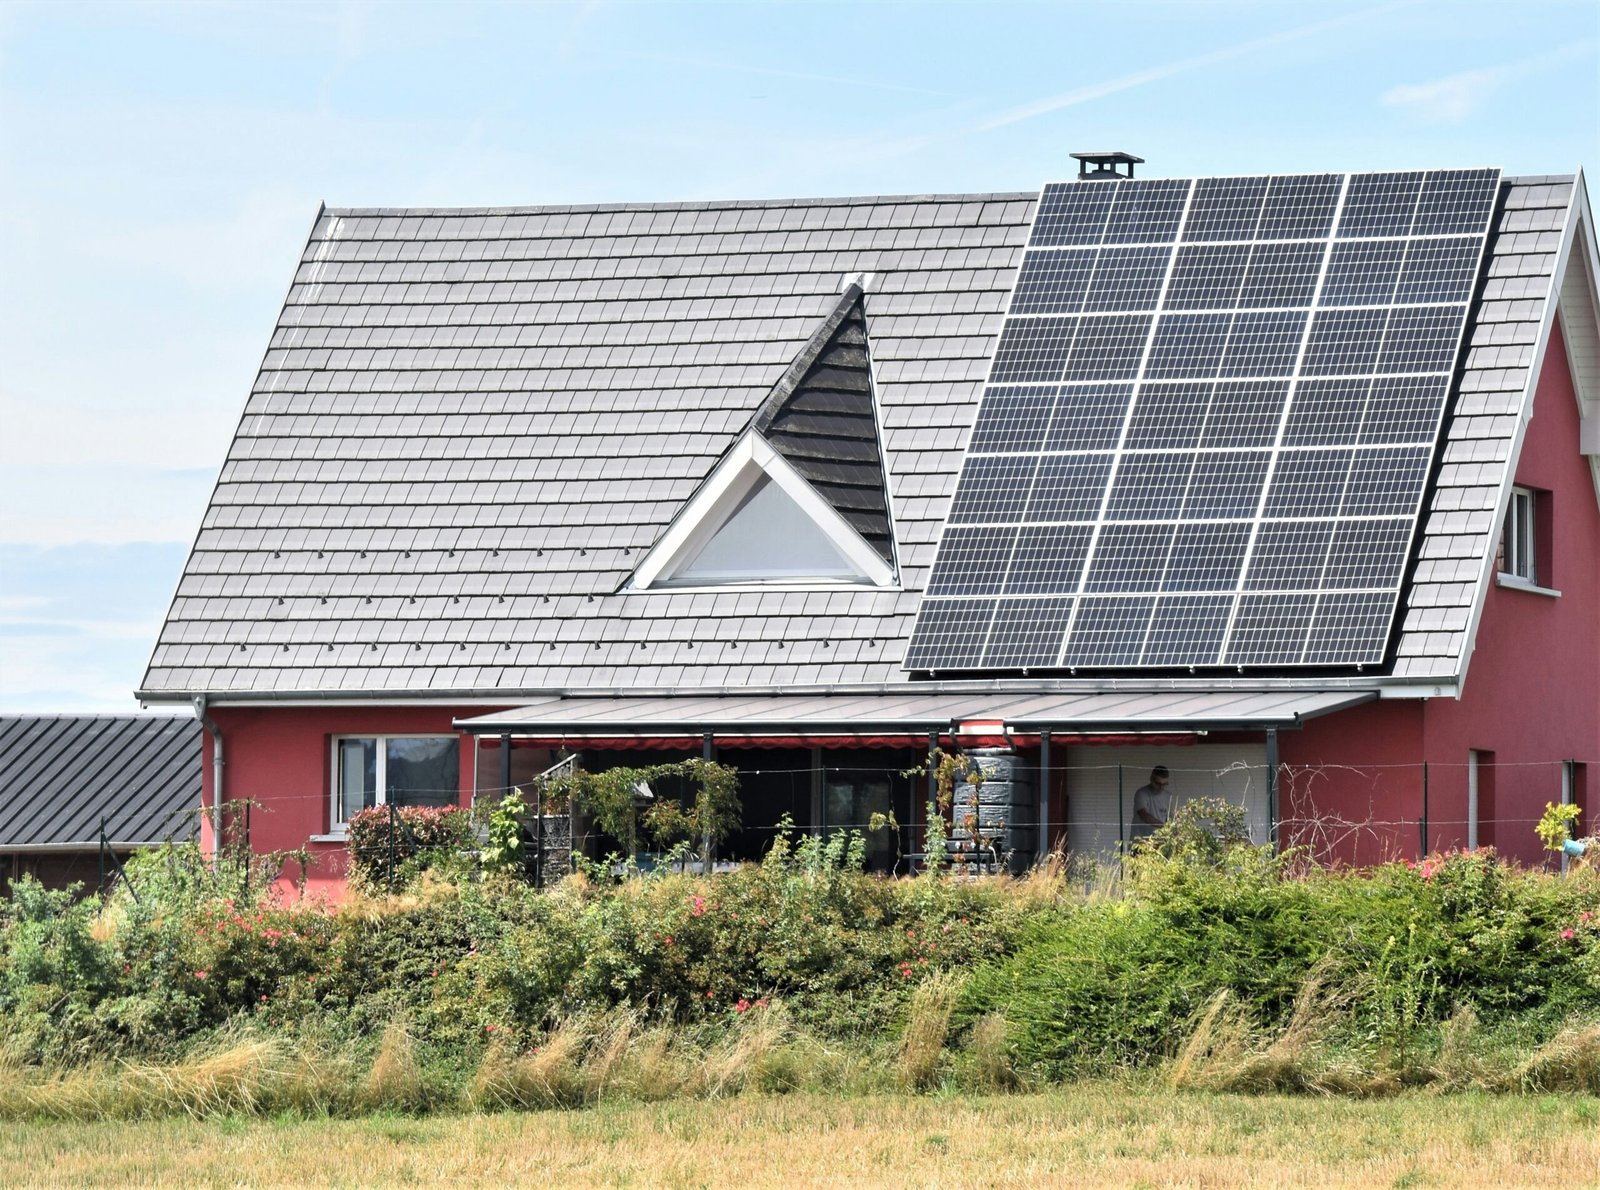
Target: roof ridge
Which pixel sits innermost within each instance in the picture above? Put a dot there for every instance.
(689, 205)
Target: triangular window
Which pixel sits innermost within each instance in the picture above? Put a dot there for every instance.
(768, 537)
(802, 496)
(758, 520)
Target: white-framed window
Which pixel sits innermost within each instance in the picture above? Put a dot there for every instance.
(1519, 548)
(402, 770)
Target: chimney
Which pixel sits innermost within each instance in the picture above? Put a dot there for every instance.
(1105, 166)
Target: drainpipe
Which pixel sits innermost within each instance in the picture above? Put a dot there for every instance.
(216, 775)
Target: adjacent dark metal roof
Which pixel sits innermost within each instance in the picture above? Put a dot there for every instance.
(60, 774)
(756, 714)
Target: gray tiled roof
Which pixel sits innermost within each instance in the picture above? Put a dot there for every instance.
(60, 774)
(1461, 527)
(470, 425)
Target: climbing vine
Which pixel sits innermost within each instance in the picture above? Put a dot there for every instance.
(614, 798)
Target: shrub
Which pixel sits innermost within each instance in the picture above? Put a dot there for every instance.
(393, 844)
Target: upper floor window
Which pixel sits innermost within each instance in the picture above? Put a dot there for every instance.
(1525, 556)
(1519, 553)
(393, 770)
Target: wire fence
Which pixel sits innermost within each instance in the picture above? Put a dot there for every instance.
(1349, 814)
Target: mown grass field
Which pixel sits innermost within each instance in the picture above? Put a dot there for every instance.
(1094, 1134)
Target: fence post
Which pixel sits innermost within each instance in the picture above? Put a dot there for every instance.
(391, 847)
(100, 885)
(538, 834)
(708, 753)
(1122, 842)
(244, 853)
(1424, 810)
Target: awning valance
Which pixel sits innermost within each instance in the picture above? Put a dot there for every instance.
(578, 717)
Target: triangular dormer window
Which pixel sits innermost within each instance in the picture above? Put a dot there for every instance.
(758, 520)
(801, 497)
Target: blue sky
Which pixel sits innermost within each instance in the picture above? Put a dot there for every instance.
(161, 164)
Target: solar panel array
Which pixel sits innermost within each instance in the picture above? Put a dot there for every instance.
(1208, 423)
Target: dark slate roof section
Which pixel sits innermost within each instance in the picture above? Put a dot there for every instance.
(820, 417)
(59, 774)
(1460, 528)
(471, 424)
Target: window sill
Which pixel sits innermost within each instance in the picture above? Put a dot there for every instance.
(1512, 583)
(331, 837)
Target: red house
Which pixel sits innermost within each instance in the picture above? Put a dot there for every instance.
(1290, 483)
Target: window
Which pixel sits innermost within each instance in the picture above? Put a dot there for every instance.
(1525, 558)
(397, 770)
(1519, 547)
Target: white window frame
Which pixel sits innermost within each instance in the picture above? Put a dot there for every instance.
(749, 461)
(338, 827)
(1520, 544)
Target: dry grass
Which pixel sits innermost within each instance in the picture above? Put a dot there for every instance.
(395, 1079)
(931, 1005)
(1086, 1135)
(1570, 1061)
(991, 1061)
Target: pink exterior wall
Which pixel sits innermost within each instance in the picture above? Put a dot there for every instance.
(1532, 694)
(280, 758)
(1531, 698)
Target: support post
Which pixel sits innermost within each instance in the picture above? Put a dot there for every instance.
(391, 846)
(819, 808)
(100, 886)
(1424, 850)
(1272, 786)
(1122, 819)
(1042, 849)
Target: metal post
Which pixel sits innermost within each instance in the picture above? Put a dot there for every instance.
(100, 886)
(933, 790)
(708, 753)
(244, 856)
(1122, 823)
(1424, 850)
(1568, 792)
(1042, 848)
(505, 763)
(391, 846)
(1272, 786)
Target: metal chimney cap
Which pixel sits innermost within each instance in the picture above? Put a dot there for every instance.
(1105, 165)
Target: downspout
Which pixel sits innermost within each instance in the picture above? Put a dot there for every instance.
(210, 725)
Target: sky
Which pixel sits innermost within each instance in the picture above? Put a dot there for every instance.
(161, 166)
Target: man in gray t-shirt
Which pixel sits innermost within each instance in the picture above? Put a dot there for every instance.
(1152, 804)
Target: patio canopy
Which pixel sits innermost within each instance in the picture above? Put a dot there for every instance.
(578, 717)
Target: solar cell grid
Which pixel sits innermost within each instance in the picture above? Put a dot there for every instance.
(1208, 423)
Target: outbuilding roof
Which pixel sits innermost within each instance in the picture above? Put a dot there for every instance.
(60, 775)
(471, 424)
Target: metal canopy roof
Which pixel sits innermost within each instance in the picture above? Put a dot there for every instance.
(873, 714)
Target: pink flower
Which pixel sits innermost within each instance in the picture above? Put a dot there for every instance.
(1567, 935)
(742, 1006)
(199, 974)
(263, 997)
(488, 1028)
(669, 941)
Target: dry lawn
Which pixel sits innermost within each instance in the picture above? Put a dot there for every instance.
(1094, 1135)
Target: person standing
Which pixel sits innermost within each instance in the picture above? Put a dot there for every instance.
(1152, 803)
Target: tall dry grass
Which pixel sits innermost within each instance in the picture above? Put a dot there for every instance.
(233, 1077)
(922, 1046)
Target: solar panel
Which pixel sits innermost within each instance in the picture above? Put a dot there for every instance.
(1208, 423)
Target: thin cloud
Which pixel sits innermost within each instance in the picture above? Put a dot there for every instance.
(1183, 66)
(1452, 99)
(773, 72)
